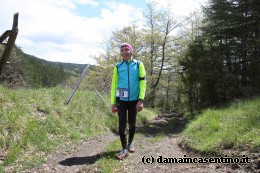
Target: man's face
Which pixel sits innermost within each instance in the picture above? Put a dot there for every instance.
(125, 53)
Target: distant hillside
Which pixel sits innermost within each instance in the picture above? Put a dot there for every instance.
(71, 68)
(26, 70)
(76, 68)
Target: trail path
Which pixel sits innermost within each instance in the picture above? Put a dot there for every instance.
(84, 157)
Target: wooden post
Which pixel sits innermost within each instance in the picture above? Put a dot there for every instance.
(77, 85)
(5, 35)
(12, 34)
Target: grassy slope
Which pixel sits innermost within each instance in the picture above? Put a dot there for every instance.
(36, 122)
(235, 127)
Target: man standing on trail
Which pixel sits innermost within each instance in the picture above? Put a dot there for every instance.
(127, 95)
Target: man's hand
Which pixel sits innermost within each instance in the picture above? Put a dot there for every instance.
(139, 106)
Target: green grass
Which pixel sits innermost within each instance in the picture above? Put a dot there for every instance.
(235, 127)
(35, 122)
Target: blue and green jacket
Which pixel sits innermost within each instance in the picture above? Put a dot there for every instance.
(129, 76)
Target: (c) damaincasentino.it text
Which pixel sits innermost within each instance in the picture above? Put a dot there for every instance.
(203, 160)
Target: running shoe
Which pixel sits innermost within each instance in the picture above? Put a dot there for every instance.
(131, 148)
(123, 153)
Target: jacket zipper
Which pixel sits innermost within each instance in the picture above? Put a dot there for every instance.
(128, 81)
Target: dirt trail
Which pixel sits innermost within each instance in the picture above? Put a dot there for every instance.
(83, 157)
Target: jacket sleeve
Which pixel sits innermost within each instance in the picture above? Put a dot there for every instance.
(114, 86)
(142, 85)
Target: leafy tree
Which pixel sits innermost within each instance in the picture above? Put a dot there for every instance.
(223, 62)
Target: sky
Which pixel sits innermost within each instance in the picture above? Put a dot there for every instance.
(73, 30)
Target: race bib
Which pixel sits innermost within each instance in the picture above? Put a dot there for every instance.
(122, 93)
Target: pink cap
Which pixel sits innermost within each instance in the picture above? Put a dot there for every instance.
(128, 46)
